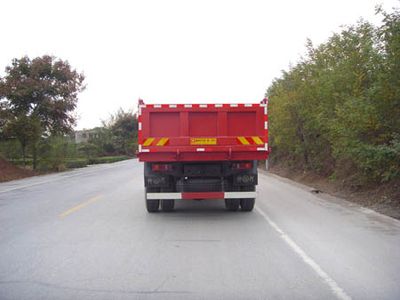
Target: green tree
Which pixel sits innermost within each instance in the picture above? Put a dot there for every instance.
(337, 111)
(90, 150)
(53, 153)
(4, 117)
(387, 87)
(44, 89)
(103, 139)
(123, 126)
(27, 131)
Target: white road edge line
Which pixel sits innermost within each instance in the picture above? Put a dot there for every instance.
(335, 288)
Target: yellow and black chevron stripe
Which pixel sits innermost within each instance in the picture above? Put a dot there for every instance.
(250, 140)
(151, 141)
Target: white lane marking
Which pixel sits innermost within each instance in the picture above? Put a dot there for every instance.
(89, 172)
(335, 288)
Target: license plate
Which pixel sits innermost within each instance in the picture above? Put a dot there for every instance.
(203, 141)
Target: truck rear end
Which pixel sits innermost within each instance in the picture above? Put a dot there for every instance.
(202, 151)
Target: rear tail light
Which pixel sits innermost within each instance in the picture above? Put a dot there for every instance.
(242, 165)
(161, 167)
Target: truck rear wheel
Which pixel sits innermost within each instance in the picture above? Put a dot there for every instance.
(247, 204)
(167, 205)
(232, 204)
(153, 204)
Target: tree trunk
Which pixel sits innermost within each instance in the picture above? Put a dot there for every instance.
(302, 138)
(34, 154)
(23, 154)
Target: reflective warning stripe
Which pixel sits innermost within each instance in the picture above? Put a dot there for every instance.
(148, 142)
(257, 140)
(243, 140)
(201, 195)
(162, 141)
(155, 141)
(252, 140)
(248, 140)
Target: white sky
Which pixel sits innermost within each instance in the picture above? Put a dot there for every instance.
(172, 51)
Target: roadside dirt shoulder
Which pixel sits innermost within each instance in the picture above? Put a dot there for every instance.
(10, 172)
(384, 198)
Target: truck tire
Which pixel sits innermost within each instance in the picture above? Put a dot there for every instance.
(232, 204)
(152, 205)
(167, 205)
(247, 204)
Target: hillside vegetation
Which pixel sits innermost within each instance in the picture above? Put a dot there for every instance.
(336, 112)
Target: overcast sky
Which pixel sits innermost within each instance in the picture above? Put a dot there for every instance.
(172, 51)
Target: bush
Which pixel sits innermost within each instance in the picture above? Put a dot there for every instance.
(77, 163)
(107, 159)
(89, 150)
(11, 149)
(20, 161)
(52, 153)
(83, 162)
(57, 153)
(380, 163)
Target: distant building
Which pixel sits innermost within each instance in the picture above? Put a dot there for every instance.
(85, 135)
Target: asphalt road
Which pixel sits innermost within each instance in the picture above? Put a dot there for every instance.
(85, 234)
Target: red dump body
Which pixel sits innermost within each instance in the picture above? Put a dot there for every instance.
(202, 132)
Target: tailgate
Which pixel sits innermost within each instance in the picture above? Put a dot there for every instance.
(199, 132)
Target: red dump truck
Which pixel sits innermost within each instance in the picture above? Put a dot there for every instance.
(201, 151)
